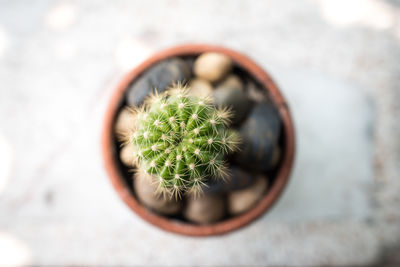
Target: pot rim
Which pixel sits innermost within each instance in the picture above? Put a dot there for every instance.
(236, 222)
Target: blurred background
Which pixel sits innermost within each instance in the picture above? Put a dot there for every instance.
(337, 63)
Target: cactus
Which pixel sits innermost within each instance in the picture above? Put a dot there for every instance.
(182, 140)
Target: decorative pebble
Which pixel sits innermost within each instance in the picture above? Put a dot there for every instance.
(200, 88)
(146, 193)
(212, 66)
(276, 157)
(230, 93)
(242, 200)
(238, 179)
(124, 122)
(260, 133)
(255, 93)
(127, 155)
(189, 61)
(158, 78)
(232, 81)
(205, 209)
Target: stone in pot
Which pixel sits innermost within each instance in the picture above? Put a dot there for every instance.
(238, 179)
(124, 122)
(189, 60)
(260, 133)
(255, 93)
(230, 93)
(146, 193)
(212, 66)
(276, 156)
(127, 155)
(158, 78)
(200, 88)
(232, 81)
(242, 200)
(207, 208)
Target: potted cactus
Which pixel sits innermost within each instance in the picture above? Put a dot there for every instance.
(198, 140)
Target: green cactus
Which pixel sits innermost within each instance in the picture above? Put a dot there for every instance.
(181, 140)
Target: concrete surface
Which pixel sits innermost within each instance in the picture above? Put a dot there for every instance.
(336, 61)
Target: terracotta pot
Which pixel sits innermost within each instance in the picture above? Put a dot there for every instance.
(282, 175)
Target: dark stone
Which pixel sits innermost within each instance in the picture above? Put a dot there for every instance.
(260, 134)
(158, 77)
(205, 209)
(231, 94)
(189, 61)
(255, 92)
(238, 179)
(214, 186)
(146, 193)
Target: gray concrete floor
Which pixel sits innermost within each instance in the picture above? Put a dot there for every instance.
(337, 62)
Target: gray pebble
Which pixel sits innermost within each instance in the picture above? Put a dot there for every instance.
(238, 179)
(158, 77)
(255, 93)
(260, 133)
(205, 209)
(230, 93)
(146, 193)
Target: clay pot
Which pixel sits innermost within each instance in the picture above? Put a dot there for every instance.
(283, 169)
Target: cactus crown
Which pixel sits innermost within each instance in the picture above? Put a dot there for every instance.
(181, 140)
